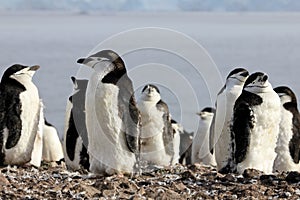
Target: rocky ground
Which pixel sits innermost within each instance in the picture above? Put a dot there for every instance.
(179, 182)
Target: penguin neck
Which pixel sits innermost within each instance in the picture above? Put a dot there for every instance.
(151, 99)
(232, 82)
(24, 80)
(260, 90)
(147, 106)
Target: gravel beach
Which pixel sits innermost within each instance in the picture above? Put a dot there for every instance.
(178, 182)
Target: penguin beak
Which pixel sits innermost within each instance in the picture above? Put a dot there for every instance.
(34, 68)
(73, 79)
(265, 78)
(84, 60)
(80, 60)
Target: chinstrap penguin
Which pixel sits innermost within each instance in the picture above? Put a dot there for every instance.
(156, 133)
(200, 146)
(255, 125)
(112, 118)
(52, 147)
(288, 143)
(219, 139)
(75, 142)
(19, 114)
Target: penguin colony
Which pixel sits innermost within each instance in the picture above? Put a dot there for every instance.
(108, 131)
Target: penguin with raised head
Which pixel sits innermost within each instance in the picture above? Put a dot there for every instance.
(200, 145)
(112, 117)
(156, 133)
(75, 142)
(52, 147)
(255, 125)
(288, 143)
(19, 114)
(220, 139)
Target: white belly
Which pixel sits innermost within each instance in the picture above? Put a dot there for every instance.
(52, 148)
(107, 145)
(261, 153)
(222, 125)
(152, 148)
(21, 153)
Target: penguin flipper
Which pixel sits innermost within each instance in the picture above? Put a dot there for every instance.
(71, 137)
(294, 144)
(168, 131)
(211, 135)
(132, 123)
(13, 122)
(243, 122)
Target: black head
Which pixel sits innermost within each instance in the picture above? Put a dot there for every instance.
(47, 123)
(238, 71)
(257, 79)
(108, 55)
(151, 86)
(14, 69)
(173, 121)
(284, 90)
(206, 113)
(117, 69)
(209, 110)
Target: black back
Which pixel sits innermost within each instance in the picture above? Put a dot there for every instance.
(208, 109)
(77, 126)
(10, 108)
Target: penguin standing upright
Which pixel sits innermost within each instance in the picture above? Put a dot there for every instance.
(19, 114)
(288, 143)
(52, 147)
(75, 141)
(255, 125)
(220, 139)
(112, 118)
(200, 145)
(156, 133)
